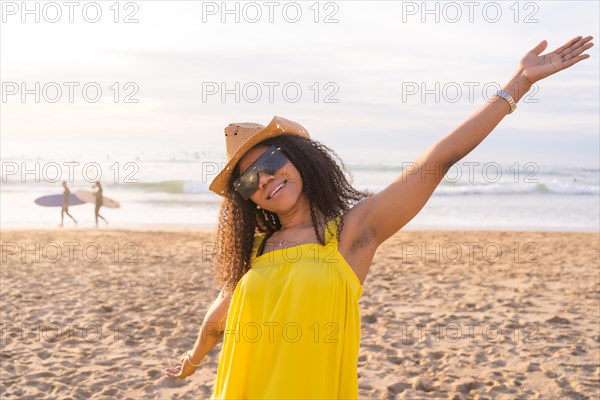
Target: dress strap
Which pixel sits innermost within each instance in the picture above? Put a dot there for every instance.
(259, 240)
(331, 230)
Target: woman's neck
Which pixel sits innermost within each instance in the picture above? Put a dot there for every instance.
(298, 221)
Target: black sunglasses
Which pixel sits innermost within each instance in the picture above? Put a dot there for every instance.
(269, 162)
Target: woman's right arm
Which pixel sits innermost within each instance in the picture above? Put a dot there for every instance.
(212, 327)
(208, 336)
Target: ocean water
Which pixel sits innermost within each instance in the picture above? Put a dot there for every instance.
(173, 191)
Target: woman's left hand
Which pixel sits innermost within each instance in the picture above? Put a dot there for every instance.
(535, 67)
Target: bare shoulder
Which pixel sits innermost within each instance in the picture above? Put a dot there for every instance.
(357, 242)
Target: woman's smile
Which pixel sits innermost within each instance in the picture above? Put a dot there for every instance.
(277, 190)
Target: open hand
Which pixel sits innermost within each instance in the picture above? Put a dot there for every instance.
(536, 67)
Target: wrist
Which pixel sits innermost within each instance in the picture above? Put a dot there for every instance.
(193, 363)
(518, 85)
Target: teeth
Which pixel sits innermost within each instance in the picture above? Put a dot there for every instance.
(282, 184)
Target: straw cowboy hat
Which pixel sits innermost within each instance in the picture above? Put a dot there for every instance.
(241, 137)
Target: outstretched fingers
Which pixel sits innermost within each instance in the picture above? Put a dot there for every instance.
(572, 55)
(576, 48)
(573, 61)
(578, 51)
(568, 44)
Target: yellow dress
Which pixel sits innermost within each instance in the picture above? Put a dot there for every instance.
(293, 328)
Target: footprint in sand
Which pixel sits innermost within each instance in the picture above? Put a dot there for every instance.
(395, 360)
(466, 387)
(533, 367)
(480, 357)
(423, 385)
(499, 363)
(398, 387)
(558, 321)
(369, 319)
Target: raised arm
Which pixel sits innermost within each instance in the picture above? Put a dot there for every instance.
(208, 336)
(389, 210)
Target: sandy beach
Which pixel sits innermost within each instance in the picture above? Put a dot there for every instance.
(445, 314)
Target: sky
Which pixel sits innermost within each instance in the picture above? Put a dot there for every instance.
(376, 81)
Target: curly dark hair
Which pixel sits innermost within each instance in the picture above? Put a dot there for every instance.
(240, 220)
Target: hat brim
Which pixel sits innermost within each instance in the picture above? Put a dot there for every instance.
(277, 127)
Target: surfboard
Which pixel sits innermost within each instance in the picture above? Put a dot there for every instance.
(56, 200)
(89, 197)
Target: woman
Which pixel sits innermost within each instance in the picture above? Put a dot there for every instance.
(99, 199)
(297, 241)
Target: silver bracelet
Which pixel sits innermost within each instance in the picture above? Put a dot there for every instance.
(188, 357)
(509, 99)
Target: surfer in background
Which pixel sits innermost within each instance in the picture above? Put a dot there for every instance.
(65, 207)
(98, 192)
